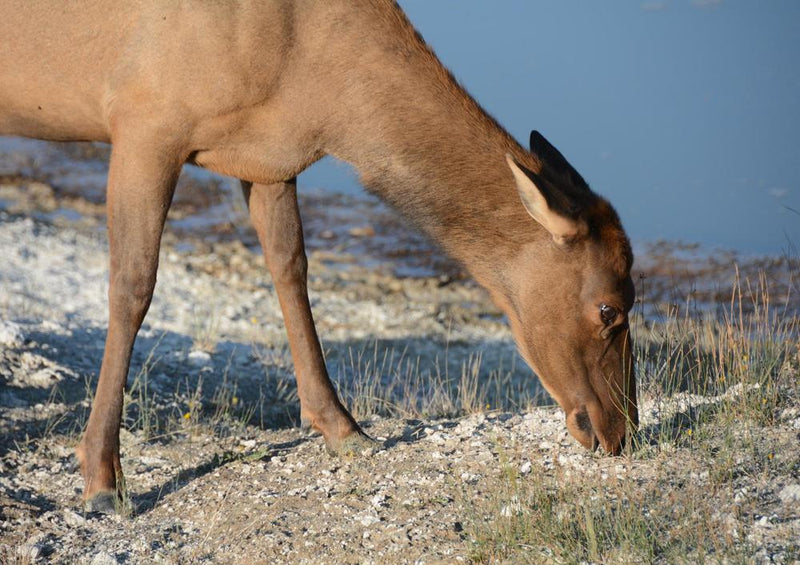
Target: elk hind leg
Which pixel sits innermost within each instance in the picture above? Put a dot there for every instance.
(276, 217)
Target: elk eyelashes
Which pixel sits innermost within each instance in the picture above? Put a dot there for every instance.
(608, 314)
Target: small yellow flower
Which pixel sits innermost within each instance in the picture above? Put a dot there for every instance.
(253, 320)
(770, 456)
(187, 415)
(235, 400)
(689, 432)
(487, 406)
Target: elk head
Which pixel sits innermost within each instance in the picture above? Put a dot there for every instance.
(571, 294)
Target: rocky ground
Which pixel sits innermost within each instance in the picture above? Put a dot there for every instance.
(216, 470)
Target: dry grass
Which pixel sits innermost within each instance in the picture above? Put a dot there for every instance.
(20, 555)
(386, 382)
(718, 387)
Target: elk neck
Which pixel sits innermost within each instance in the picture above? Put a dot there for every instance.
(421, 143)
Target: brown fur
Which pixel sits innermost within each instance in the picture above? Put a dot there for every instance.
(259, 91)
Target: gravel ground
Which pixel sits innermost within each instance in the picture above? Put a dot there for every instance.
(216, 471)
(269, 491)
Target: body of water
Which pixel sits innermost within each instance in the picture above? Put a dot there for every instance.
(685, 114)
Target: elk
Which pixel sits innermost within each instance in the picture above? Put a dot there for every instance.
(259, 90)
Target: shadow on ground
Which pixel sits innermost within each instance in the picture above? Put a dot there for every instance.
(242, 383)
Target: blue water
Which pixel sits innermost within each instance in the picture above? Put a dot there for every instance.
(685, 114)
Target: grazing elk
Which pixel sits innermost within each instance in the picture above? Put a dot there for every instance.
(259, 90)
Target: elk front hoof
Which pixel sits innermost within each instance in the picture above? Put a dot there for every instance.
(357, 444)
(104, 502)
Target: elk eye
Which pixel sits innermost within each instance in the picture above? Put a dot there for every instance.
(608, 314)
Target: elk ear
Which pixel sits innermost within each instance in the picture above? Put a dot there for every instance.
(562, 228)
(546, 151)
(554, 160)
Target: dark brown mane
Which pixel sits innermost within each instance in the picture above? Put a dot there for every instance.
(448, 81)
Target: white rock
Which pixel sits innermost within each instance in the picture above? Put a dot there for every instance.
(104, 558)
(368, 519)
(437, 438)
(28, 553)
(525, 468)
(11, 334)
(790, 493)
(43, 378)
(199, 358)
(74, 519)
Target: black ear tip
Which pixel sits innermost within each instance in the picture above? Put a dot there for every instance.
(537, 140)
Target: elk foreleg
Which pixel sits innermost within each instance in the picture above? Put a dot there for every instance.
(276, 217)
(141, 182)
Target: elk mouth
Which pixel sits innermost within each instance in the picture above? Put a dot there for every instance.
(586, 433)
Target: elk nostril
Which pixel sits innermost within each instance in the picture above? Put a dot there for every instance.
(583, 422)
